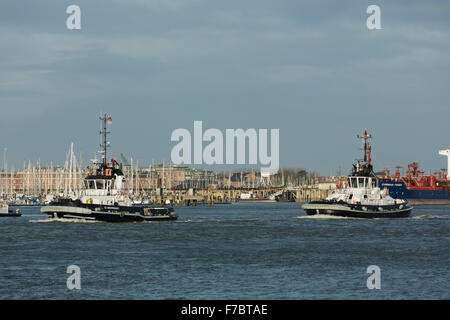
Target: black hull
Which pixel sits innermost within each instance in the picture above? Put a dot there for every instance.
(108, 213)
(357, 210)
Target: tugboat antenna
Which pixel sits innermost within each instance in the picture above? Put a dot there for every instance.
(367, 148)
(104, 133)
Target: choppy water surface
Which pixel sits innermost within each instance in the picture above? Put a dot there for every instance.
(239, 251)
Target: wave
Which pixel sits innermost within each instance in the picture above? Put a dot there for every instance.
(203, 220)
(430, 216)
(65, 220)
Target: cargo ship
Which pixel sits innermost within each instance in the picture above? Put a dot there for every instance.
(417, 187)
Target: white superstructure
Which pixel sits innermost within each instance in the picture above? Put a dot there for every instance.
(446, 153)
(363, 190)
(99, 190)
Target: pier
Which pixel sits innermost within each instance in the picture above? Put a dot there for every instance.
(216, 197)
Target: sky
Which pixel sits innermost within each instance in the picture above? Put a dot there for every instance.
(311, 69)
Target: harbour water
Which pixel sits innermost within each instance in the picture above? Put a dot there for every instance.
(238, 251)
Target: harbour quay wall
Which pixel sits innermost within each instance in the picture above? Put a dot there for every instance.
(218, 196)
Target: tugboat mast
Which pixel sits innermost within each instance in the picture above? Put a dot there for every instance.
(367, 147)
(104, 133)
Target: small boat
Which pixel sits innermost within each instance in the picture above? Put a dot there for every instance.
(105, 198)
(251, 197)
(6, 212)
(361, 197)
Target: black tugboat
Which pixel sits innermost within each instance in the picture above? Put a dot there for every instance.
(104, 197)
(361, 197)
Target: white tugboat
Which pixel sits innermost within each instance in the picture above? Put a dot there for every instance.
(104, 197)
(362, 196)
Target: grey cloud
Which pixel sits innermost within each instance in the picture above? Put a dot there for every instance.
(158, 65)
